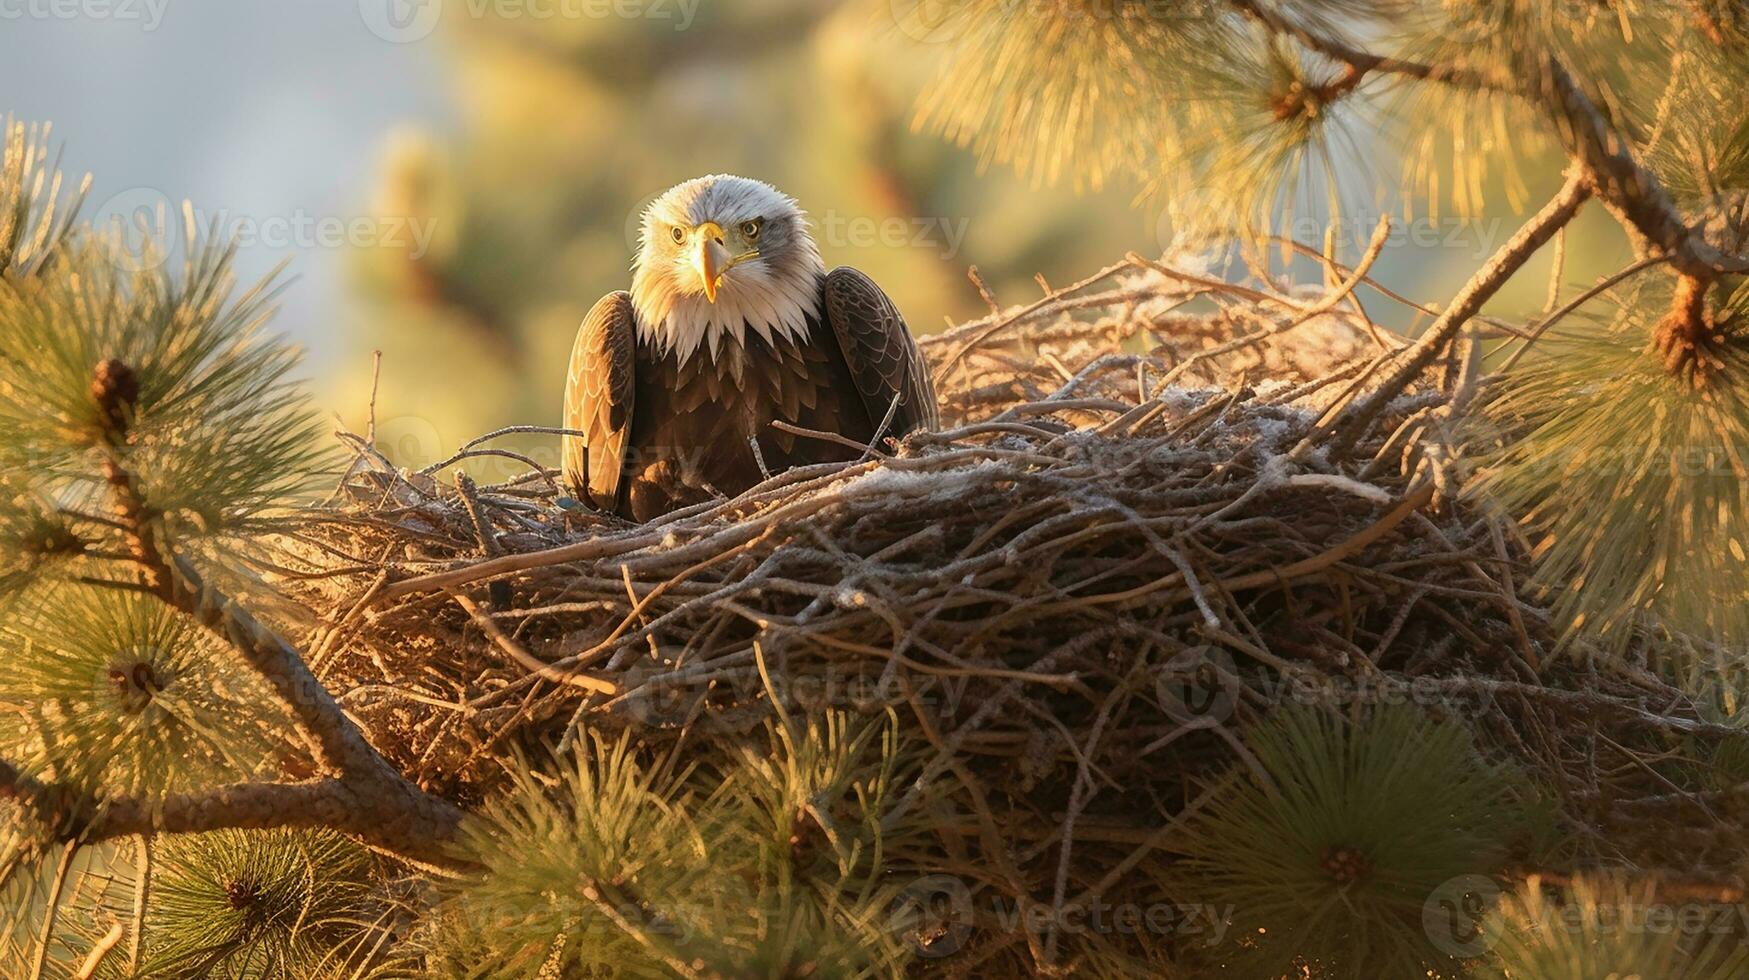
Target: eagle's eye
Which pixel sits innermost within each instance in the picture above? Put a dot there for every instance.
(751, 228)
(679, 235)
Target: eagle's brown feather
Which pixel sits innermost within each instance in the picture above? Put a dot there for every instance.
(599, 398)
(883, 357)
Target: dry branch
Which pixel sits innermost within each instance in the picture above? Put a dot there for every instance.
(1469, 301)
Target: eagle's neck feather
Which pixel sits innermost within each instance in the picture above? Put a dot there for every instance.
(779, 306)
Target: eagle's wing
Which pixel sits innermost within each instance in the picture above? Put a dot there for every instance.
(882, 356)
(598, 401)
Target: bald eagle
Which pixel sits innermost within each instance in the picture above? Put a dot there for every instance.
(732, 323)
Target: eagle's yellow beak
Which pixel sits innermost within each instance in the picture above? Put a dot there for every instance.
(712, 258)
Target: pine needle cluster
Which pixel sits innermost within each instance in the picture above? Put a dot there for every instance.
(166, 375)
(1186, 97)
(1629, 483)
(112, 366)
(1077, 118)
(111, 691)
(1330, 852)
(1696, 137)
(615, 865)
(1609, 928)
(269, 904)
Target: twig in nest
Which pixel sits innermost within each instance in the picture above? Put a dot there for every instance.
(873, 447)
(947, 366)
(376, 373)
(797, 430)
(1317, 563)
(528, 661)
(759, 456)
(470, 495)
(465, 451)
(983, 288)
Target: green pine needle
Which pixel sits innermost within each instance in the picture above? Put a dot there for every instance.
(1632, 486)
(809, 812)
(614, 867)
(1330, 864)
(1289, 124)
(36, 219)
(1610, 929)
(811, 797)
(1081, 89)
(263, 905)
(109, 691)
(198, 403)
(1696, 132)
(1184, 99)
(593, 872)
(214, 428)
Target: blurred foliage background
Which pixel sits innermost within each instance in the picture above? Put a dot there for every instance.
(530, 132)
(569, 126)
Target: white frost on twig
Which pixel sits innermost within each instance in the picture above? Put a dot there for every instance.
(927, 483)
(1336, 481)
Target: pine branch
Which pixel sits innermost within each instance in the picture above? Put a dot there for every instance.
(1626, 188)
(1361, 61)
(1633, 194)
(1685, 337)
(334, 804)
(369, 796)
(1482, 286)
(175, 581)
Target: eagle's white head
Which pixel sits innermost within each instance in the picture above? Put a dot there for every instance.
(722, 255)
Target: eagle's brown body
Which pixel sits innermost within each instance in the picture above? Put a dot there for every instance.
(694, 424)
(733, 324)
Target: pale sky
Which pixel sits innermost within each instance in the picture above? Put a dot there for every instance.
(268, 111)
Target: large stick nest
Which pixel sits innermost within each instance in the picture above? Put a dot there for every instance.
(1132, 497)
